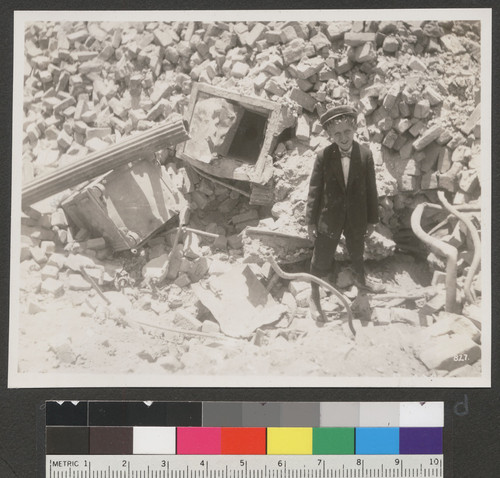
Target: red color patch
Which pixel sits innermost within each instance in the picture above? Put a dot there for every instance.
(243, 441)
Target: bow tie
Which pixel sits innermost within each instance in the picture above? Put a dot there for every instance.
(346, 154)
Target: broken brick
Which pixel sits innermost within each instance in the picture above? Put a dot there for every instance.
(416, 64)
(198, 270)
(409, 183)
(303, 99)
(390, 44)
(390, 138)
(365, 52)
(427, 137)
(368, 105)
(274, 87)
(468, 180)
(391, 97)
(303, 129)
(77, 282)
(240, 69)
(422, 109)
(356, 39)
(255, 34)
(53, 287)
(343, 65)
(449, 179)
(309, 67)
(381, 316)
(450, 352)
(429, 180)
(320, 41)
(294, 51)
(49, 271)
(452, 44)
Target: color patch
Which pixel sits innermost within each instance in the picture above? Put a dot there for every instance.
(379, 414)
(421, 414)
(102, 414)
(377, 441)
(66, 413)
(199, 441)
(111, 440)
(289, 441)
(342, 414)
(67, 441)
(222, 414)
(333, 441)
(421, 441)
(300, 414)
(243, 441)
(146, 415)
(183, 414)
(261, 414)
(154, 440)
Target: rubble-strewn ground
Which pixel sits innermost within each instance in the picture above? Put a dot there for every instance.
(416, 85)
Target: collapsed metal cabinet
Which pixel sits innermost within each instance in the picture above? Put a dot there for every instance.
(232, 135)
(126, 206)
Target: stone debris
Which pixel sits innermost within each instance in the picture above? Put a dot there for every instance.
(450, 352)
(451, 342)
(239, 302)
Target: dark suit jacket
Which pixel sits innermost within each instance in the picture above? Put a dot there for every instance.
(330, 204)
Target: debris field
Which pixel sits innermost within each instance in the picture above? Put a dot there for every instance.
(198, 295)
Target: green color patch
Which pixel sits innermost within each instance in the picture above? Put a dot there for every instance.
(333, 441)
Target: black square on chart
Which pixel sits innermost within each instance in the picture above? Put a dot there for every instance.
(102, 414)
(66, 413)
(184, 414)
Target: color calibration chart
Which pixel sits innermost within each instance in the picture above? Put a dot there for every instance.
(244, 439)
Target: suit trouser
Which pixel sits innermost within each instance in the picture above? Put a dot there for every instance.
(323, 260)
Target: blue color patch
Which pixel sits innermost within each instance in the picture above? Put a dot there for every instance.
(377, 441)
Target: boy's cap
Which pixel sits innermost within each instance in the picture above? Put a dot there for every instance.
(336, 111)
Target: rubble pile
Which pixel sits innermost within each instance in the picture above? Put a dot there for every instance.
(88, 84)
(416, 86)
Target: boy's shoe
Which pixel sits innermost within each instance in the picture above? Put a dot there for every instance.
(317, 313)
(370, 286)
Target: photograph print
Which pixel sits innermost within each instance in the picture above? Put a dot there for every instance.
(251, 198)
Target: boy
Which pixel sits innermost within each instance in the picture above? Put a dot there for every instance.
(342, 198)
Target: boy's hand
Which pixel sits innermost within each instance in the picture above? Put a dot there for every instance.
(312, 232)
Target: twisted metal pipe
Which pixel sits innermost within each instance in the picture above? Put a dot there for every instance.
(303, 276)
(469, 294)
(441, 248)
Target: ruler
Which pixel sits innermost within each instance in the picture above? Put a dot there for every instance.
(244, 466)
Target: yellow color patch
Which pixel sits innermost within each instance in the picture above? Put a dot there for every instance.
(289, 441)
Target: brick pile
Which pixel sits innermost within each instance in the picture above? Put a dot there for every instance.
(416, 86)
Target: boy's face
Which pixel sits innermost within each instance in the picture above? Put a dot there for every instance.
(341, 133)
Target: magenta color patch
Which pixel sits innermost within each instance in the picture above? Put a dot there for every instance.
(199, 441)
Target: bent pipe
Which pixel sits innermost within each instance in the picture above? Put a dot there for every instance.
(441, 248)
(476, 240)
(310, 278)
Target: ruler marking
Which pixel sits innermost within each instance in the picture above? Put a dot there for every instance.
(292, 466)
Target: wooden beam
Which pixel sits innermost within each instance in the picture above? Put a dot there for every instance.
(130, 149)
